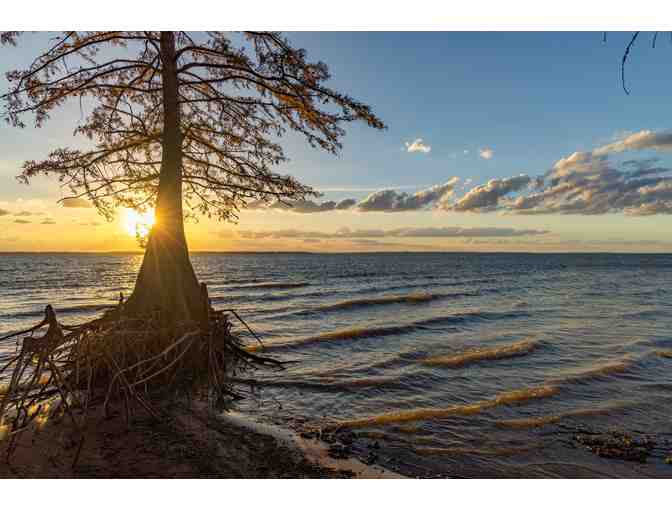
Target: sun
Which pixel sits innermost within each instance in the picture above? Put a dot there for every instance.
(137, 223)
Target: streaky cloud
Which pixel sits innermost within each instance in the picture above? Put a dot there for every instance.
(645, 139)
(417, 232)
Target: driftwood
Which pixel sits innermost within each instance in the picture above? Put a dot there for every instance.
(117, 359)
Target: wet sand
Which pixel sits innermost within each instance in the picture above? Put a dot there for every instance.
(188, 443)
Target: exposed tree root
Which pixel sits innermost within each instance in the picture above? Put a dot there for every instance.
(118, 359)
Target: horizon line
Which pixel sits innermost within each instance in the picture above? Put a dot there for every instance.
(303, 252)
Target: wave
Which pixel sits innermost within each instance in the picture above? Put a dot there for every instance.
(471, 317)
(664, 354)
(432, 283)
(342, 334)
(409, 429)
(595, 371)
(644, 314)
(357, 303)
(350, 304)
(497, 451)
(520, 348)
(420, 414)
(331, 384)
(322, 292)
(271, 285)
(67, 310)
(541, 421)
(381, 331)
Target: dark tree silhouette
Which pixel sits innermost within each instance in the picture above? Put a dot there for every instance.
(178, 117)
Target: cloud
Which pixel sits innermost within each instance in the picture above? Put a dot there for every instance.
(76, 203)
(380, 201)
(584, 183)
(48, 221)
(22, 222)
(486, 197)
(346, 204)
(395, 201)
(304, 206)
(651, 209)
(486, 153)
(4, 212)
(645, 139)
(466, 232)
(417, 145)
(588, 183)
(416, 232)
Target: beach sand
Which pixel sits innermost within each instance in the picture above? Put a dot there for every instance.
(188, 443)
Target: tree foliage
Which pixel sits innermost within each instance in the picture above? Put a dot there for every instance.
(238, 95)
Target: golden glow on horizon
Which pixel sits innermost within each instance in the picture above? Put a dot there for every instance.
(137, 223)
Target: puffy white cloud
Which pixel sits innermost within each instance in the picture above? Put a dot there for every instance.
(345, 204)
(395, 201)
(379, 201)
(486, 197)
(587, 184)
(582, 183)
(486, 153)
(577, 163)
(417, 145)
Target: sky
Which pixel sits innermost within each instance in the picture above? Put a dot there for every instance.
(495, 142)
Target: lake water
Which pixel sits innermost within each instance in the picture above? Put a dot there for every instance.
(454, 364)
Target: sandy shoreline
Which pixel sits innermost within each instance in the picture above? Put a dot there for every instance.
(189, 443)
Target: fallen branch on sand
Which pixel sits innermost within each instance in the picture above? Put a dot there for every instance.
(119, 359)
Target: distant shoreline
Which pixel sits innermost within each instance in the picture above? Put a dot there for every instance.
(417, 252)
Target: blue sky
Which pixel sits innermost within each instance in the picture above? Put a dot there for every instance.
(532, 97)
(529, 98)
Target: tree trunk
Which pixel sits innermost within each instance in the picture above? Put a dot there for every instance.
(167, 281)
